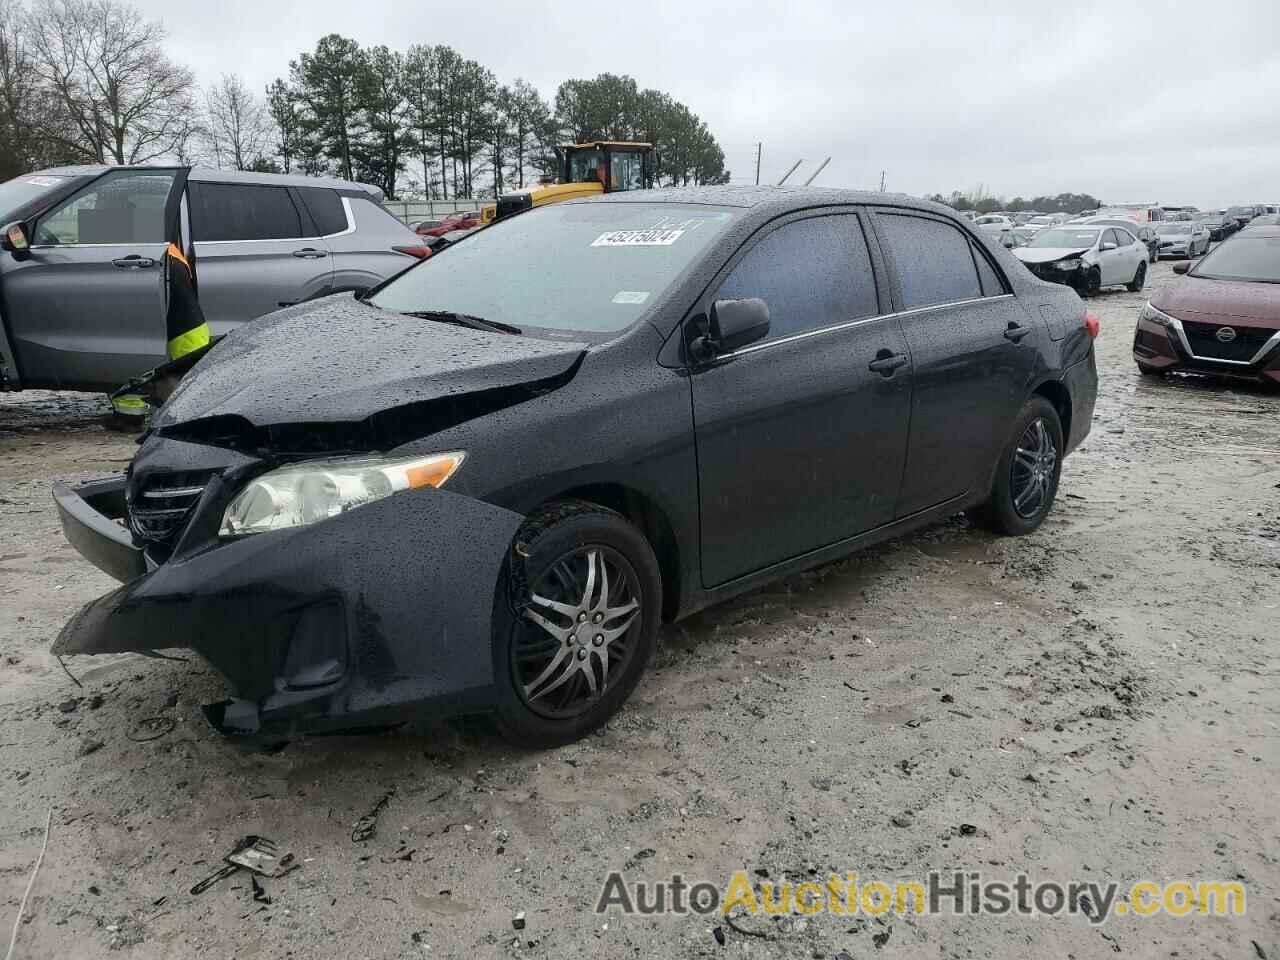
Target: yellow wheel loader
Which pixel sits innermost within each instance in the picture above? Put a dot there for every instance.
(586, 169)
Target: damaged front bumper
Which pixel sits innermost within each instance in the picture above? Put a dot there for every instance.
(353, 620)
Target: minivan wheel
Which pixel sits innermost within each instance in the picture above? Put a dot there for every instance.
(1139, 278)
(1026, 479)
(575, 622)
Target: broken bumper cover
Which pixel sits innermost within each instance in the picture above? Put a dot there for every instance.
(350, 620)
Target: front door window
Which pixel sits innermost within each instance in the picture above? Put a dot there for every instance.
(121, 207)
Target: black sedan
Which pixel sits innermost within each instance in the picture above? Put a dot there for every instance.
(484, 486)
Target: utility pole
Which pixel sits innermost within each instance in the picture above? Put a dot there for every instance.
(882, 181)
(759, 150)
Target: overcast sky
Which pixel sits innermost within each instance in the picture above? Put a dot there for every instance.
(1172, 101)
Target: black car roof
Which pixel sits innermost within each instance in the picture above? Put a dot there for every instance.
(778, 199)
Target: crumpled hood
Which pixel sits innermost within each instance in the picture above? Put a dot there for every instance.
(1047, 254)
(1204, 300)
(340, 360)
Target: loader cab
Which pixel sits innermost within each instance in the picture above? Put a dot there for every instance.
(615, 166)
(586, 169)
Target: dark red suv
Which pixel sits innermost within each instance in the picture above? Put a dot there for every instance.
(1222, 318)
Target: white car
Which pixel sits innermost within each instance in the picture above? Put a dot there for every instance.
(1183, 238)
(993, 223)
(1087, 257)
(1036, 224)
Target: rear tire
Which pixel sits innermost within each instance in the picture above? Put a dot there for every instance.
(575, 622)
(1139, 279)
(1027, 473)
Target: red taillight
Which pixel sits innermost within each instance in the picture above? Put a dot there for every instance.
(1092, 325)
(421, 252)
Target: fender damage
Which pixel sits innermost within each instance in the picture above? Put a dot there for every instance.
(356, 619)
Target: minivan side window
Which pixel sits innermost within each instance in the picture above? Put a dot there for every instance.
(241, 211)
(118, 208)
(325, 207)
(933, 258)
(812, 273)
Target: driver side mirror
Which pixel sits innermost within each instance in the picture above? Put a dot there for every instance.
(1108, 245)
(731, 325)
(1182, 266)
(14, 238)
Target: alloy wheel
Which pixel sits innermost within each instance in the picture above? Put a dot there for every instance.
(577, 632)
(1032, 469)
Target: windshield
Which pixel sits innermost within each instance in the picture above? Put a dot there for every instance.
(20, 191)
(582, 267)
(1042, 220)
(1176, 226)
(1076, 238)
(586, 166)
(1243, 258)
(990, 220)
(1240, 211)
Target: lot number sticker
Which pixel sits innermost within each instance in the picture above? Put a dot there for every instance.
(637, 238)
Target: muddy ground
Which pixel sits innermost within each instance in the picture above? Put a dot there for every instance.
(1098, 700)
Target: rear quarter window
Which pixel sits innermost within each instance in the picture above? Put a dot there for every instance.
(325, 207)
(934, 260)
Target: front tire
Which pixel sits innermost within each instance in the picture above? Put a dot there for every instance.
(1139, 278)
(575, 622)
(1027, 473)
(1092, 283)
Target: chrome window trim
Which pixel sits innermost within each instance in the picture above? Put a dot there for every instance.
(848, 324)
(1186, 344)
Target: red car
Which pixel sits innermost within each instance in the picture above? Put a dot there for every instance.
(1222, 318)
(463, 221)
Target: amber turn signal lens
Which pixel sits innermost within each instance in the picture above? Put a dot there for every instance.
(432, 474)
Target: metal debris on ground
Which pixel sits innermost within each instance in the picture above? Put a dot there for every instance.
(367, 825)
(518, 920)
(255, 854)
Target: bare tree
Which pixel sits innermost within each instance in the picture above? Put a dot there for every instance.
(124, 100)
(237, 126)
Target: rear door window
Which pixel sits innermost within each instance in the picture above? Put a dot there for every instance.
(238, 211)
(934, 261)
(812, 273)
(325, 207)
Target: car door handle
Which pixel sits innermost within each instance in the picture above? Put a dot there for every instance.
(133, 262)
(1016, 333)
(310, 253)
(886, 363)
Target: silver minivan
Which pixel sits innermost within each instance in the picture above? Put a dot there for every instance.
(83, 306)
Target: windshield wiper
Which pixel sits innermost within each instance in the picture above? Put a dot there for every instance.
(464, 320)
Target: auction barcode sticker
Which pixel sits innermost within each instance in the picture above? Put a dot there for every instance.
(637, 238)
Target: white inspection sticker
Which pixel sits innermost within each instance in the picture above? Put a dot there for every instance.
(637, 238)
(631, 296)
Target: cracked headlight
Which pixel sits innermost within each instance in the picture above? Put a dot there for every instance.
(1075, 263)
(304, 493)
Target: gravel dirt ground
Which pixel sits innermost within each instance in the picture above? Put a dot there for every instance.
(1098, 700)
